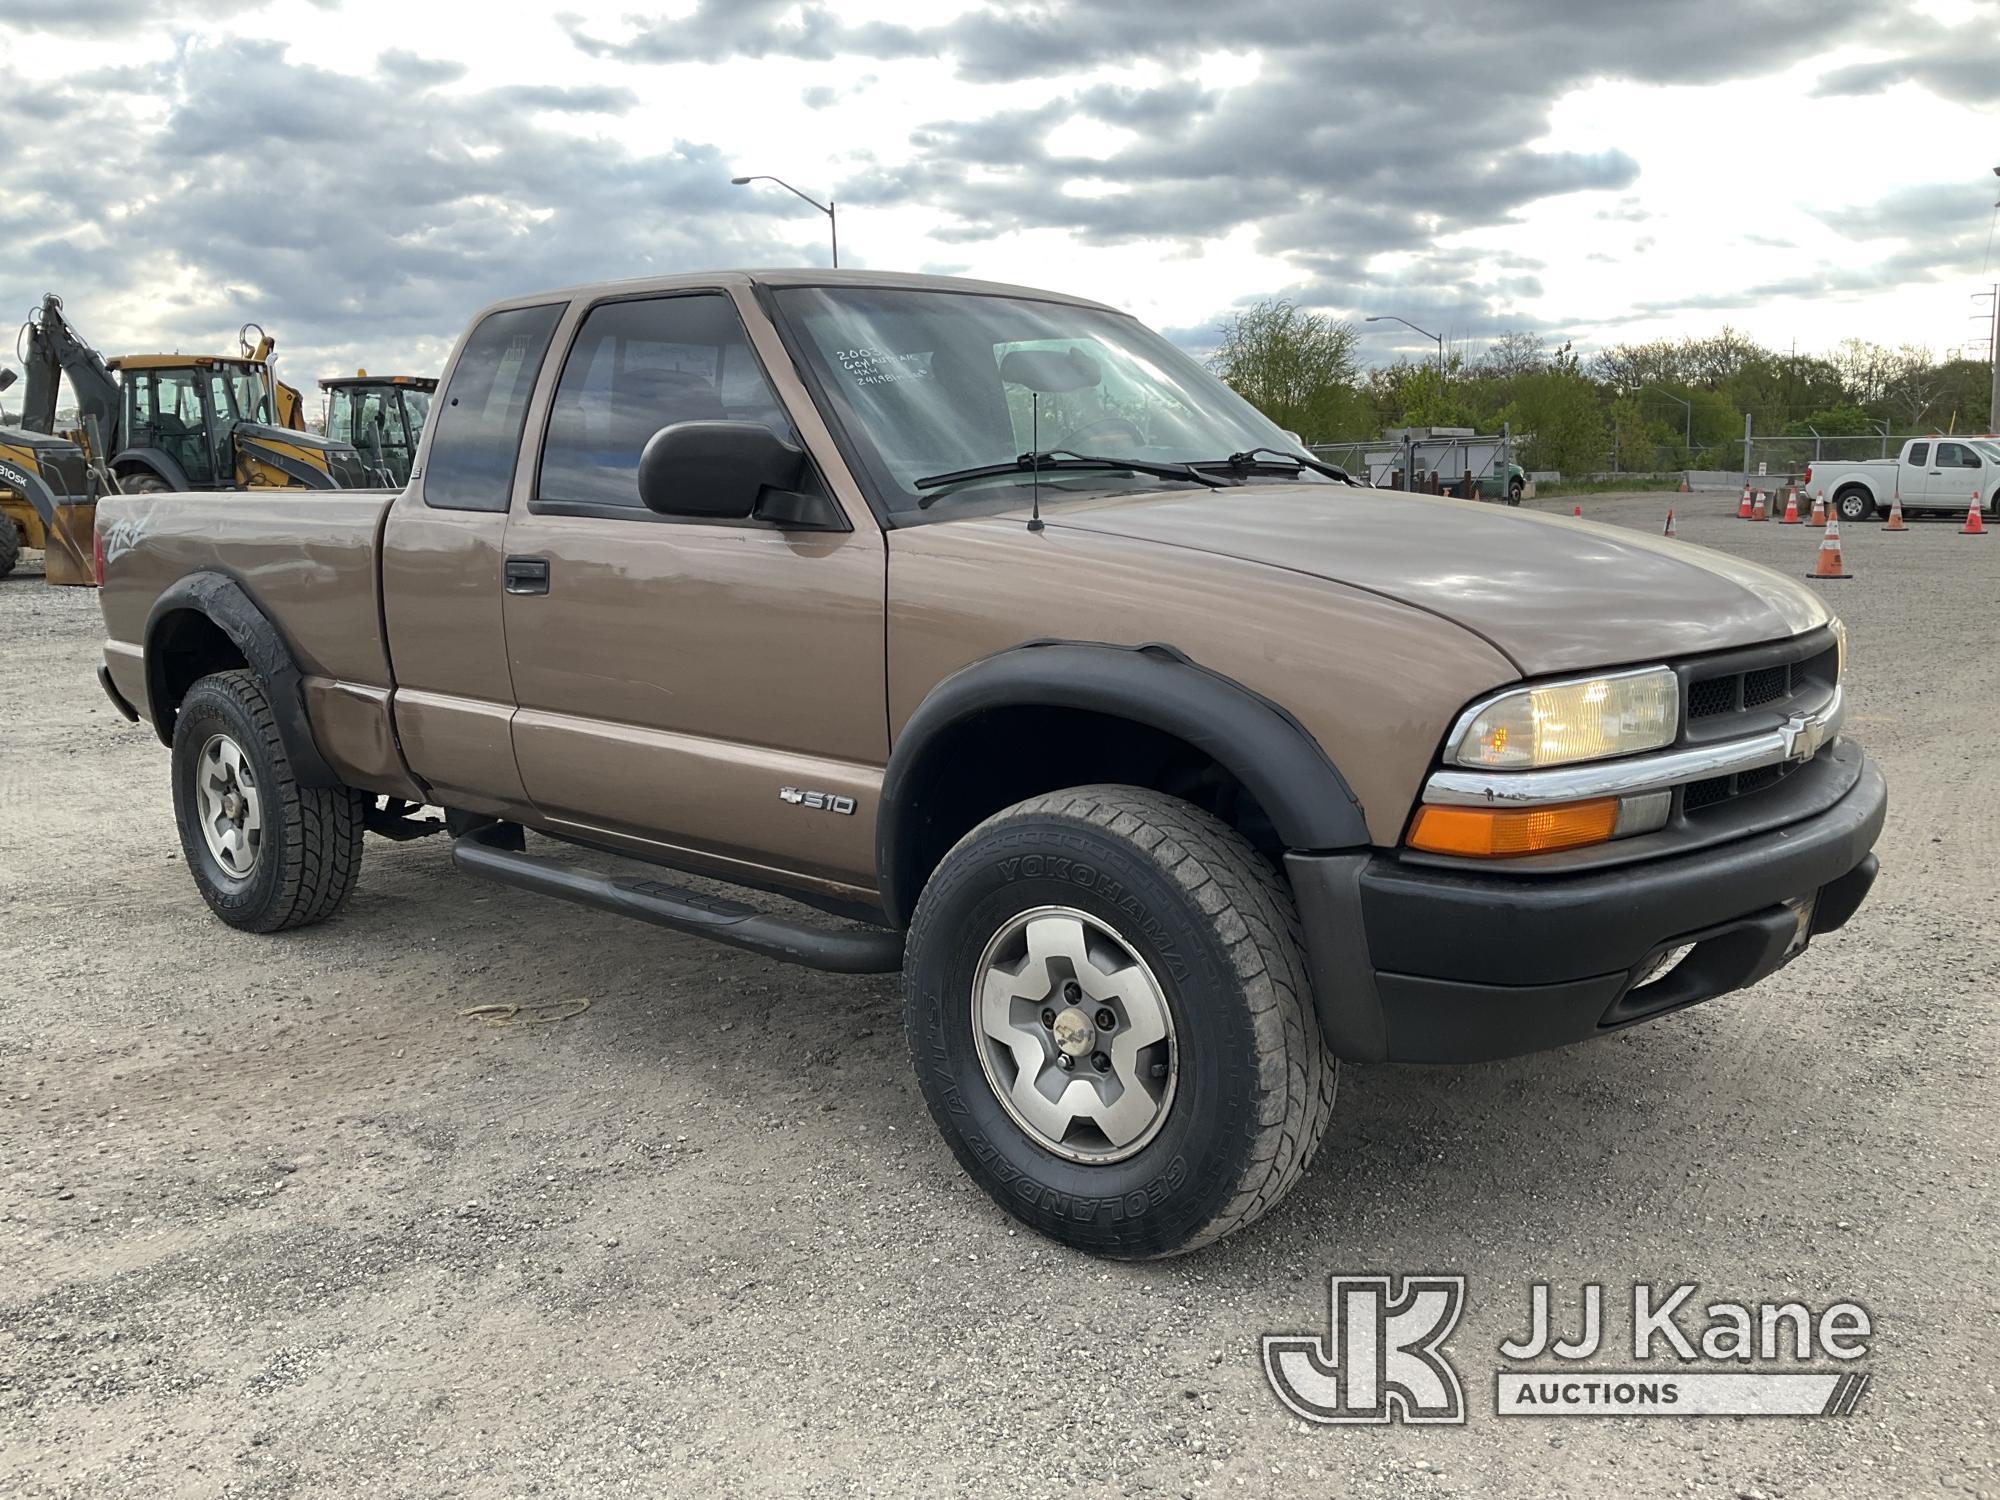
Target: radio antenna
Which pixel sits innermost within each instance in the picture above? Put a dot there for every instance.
(1035, 458)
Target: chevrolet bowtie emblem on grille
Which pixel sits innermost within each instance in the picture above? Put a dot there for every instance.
(1803, 736)
(817, 801)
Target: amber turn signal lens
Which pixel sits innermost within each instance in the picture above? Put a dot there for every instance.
(1497, 832)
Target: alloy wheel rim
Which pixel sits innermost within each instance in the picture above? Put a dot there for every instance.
(1074, 1035)
(231, 811)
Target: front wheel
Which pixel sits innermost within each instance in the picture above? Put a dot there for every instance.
(1515, 490)
(1110, 1020)
(1854, 505)
(265, 852)
(10, 545)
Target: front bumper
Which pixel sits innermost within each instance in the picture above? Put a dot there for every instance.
(1418, 964)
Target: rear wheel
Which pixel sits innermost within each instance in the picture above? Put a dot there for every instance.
(10, 545)
(265, 852)
(1854, 504)
(1110, 1020)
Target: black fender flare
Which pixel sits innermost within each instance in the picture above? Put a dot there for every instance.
(158, 461)
(225, 603)
(1273, 755)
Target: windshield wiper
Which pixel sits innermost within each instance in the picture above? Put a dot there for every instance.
(1251, 458)
(1063, 461)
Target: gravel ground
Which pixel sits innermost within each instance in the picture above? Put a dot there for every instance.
(277, 1220)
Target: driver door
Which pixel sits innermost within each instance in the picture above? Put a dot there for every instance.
(222, 419)
(675, 677)
(1954, 474)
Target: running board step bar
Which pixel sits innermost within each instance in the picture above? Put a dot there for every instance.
(483, 851)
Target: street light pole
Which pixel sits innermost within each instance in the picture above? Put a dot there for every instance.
(1392, 318)
(1687, 442)
(1993, 411)
(827, 208)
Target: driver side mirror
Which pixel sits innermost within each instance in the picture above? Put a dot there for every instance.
(723, 471)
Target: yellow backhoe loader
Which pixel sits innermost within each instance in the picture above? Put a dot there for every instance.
(184, 422)
(48, 499)
(382, 415)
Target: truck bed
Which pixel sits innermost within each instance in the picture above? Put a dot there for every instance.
(308, 559)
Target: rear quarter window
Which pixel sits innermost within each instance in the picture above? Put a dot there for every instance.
(478, 421)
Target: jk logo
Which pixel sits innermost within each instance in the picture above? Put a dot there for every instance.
(1381, 1362)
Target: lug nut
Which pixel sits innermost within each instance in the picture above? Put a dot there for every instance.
(1065, 1061)
(1048, 1018)
(1100, 1062)
(1105, 1020)
(1072, 991)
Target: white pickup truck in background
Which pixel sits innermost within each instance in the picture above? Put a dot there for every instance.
(1934, 473)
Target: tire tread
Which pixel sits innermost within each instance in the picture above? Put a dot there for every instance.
(1250, 909)
(322, 826)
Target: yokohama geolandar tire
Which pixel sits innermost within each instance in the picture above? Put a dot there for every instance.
(267, 853)
(1110, 1019)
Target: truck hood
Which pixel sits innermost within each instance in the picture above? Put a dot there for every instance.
(1552, 593)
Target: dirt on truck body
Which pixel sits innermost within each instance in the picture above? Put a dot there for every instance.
(1169, 765)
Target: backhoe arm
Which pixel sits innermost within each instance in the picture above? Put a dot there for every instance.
(50, 348)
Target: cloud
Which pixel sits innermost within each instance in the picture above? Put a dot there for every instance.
(718, 30)
(103, 17)
(1958, 63)
(1352, 131)
(1371, 152)
(365, 217)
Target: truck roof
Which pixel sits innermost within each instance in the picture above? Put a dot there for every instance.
(422, 382)
(177, 361)
(799, 276)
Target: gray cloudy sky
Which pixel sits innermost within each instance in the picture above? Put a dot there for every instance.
(360, 175)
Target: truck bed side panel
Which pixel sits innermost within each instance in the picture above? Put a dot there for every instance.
(308, 560)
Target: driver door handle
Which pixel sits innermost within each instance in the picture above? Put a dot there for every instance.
(527, 575)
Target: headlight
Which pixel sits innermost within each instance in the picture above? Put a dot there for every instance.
(1587, 718)
(1840, 641)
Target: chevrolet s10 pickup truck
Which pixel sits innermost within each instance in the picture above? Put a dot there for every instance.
(1019, 654)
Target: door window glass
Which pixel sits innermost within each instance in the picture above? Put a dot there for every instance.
(340, 416)
(1920, 454)
(471, 465)
(1956, 456)
(178, 425)
(637, 367)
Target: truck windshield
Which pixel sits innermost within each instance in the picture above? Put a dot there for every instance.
(921, 383)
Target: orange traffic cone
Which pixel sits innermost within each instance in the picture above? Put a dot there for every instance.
(1685, 489)
(1974, 525)
(1819, 510)
(1829, 564)
(1791, 516)
(1670, 524)
(1896, 514)
(1743, 510)
(1758, 510)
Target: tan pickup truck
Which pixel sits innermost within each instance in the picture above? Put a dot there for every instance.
(1167, 765)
